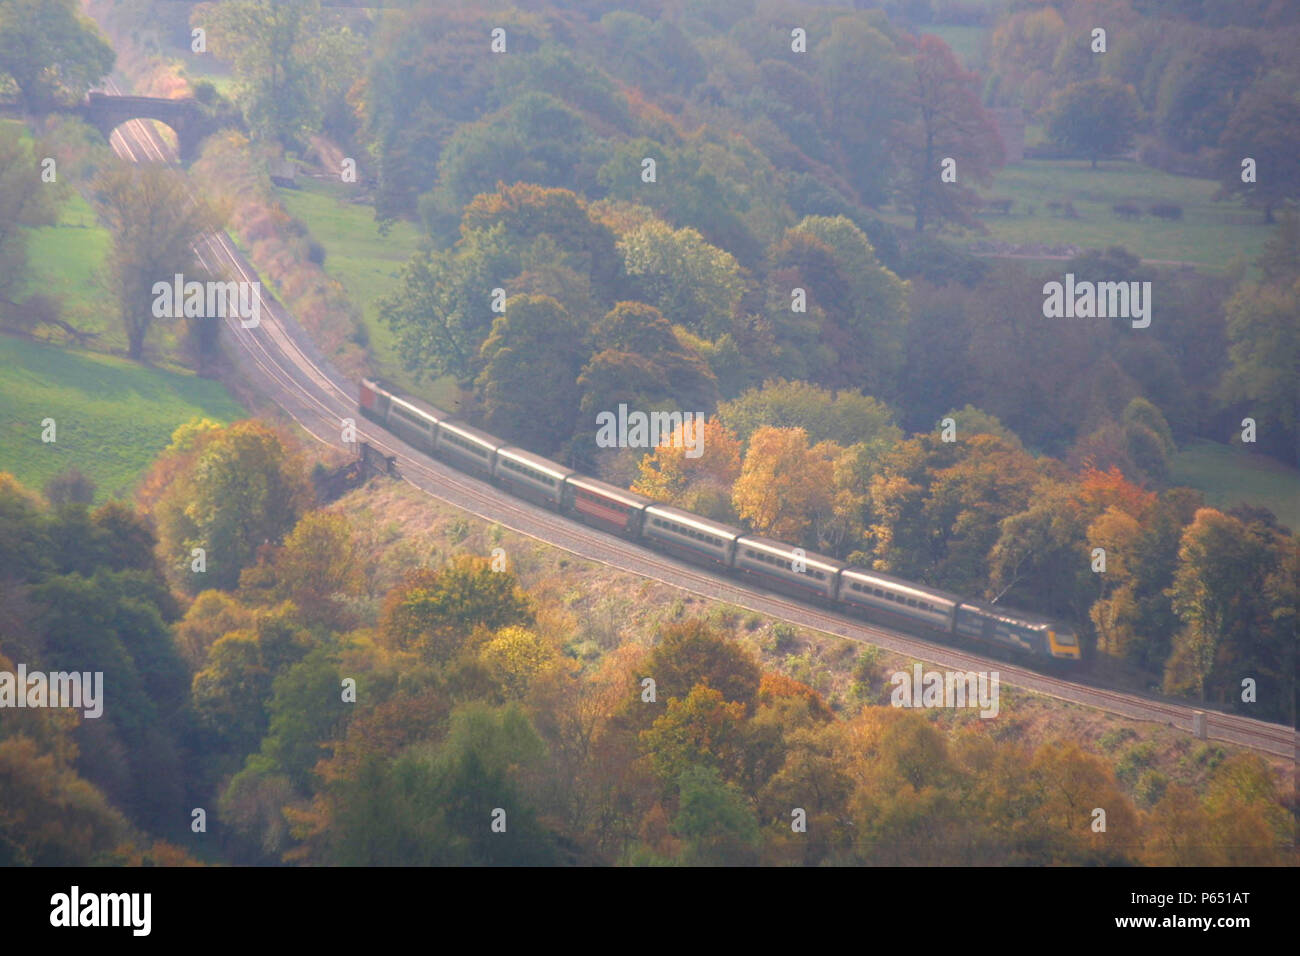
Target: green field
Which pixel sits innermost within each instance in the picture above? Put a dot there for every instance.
(1230, 476)
(112, 416)
(367, 264)
(1209, 234)
(66, 261)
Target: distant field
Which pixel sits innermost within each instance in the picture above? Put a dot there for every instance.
(1210, 233)
(112, 416)
(366, 263)
(1229, 476)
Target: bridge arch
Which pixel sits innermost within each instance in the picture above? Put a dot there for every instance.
(185, 117)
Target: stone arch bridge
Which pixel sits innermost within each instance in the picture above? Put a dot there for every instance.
(187, 118)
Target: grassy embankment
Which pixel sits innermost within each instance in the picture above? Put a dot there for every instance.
(367, 264)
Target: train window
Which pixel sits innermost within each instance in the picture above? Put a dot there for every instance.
(911, 602)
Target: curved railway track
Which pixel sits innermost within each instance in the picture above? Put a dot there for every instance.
(303, 384)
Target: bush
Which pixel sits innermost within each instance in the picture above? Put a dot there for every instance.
(1151, 787)
(70, 486)
(1166, 210)
(1112, 739)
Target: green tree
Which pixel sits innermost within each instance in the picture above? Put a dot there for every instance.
(24, 202)
(846, 418)
(238, 489)
(862, 77)
(1217, 591)
(694, 284)
(1265, 126)
(154, 223)
(1094, 118)
(279, 58)
(52, 51)
(528, 387)
(715, 820)
(869, 321)
(1199, 87)
(1264, 331)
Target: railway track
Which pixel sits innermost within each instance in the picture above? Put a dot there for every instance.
(289, 370)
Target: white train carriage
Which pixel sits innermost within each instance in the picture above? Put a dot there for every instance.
(688, 534)
(414, 422)
(466, 446)
(886, 595)
(777, 563)
(605, 505)
(531, 476)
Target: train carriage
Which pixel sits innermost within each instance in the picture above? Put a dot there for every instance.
(467, 447)
(888, 596)
(531, 476)
(410, 419)
(687, 534)
(605, 505)
(776, 562)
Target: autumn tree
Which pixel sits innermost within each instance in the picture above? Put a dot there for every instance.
(640, 362)
(694, 652)
(944, 120)
(702, 483)
(432, 612)
(318, 568)
(785, 487)
(937, 506)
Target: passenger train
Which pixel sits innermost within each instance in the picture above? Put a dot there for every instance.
(881, 598)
